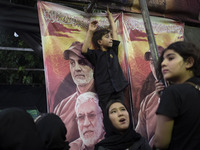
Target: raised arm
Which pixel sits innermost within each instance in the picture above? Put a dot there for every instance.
(112, 24)
(88, 39)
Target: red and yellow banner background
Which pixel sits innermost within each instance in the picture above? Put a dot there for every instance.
(60, 26)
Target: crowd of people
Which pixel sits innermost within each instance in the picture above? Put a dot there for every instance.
(96, 116)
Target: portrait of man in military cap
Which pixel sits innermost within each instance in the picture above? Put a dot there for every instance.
(82, 74)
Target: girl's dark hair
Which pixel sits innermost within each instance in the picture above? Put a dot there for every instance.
(110, 102)
(185, 50)
(97, 35)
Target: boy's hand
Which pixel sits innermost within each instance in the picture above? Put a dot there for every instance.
(93, 25)
(88, 39)
(109, 14)
(112, 25)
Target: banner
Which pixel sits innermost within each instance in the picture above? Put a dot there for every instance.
(181, 10)
(136, 44)
(63, 30)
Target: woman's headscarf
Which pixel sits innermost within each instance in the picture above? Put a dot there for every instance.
(18, 131)
(114, 139)
(53, 132)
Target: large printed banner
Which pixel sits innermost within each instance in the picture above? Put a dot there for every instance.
(69, 76)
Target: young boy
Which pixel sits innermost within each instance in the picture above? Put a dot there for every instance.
(109, 78)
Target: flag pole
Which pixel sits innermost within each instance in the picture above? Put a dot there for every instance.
(149, 32)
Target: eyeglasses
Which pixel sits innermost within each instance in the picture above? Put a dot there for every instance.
(90, 116)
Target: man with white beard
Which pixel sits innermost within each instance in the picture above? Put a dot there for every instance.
(82, 74)
(90, 122)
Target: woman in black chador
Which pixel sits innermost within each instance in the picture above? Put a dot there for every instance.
(120, 134)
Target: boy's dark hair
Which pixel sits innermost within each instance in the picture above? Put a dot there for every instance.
(97, 35)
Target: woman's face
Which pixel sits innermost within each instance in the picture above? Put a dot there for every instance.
(174, 68)
(119, 116)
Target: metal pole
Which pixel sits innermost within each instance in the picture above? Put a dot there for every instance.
(149, 31)
(150, 36)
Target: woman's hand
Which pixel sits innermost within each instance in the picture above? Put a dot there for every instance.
(159, 87)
